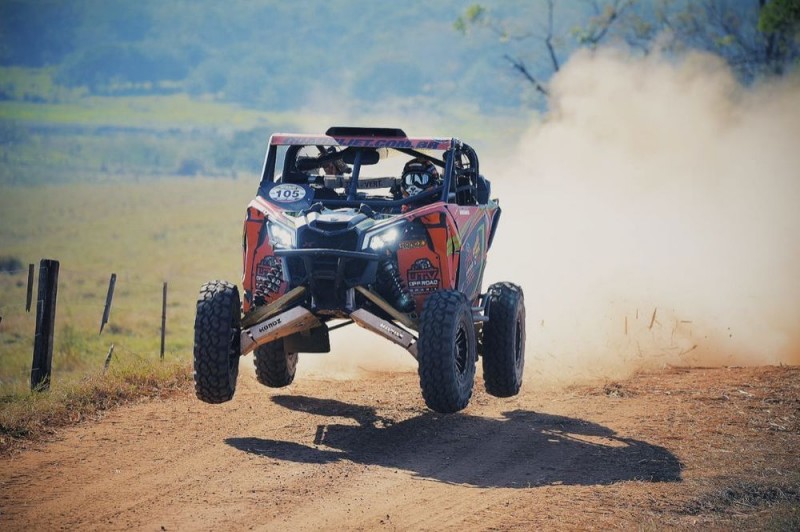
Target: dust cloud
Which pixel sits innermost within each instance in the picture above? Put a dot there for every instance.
(653, 218)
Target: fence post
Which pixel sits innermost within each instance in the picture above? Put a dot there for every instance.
(109, 296)
(30, 288)
(108, 358)
(45, 325)
(163, 318)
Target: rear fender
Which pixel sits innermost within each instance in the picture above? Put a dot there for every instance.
(474, 223)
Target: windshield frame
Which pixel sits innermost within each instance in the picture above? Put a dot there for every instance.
(406, 145)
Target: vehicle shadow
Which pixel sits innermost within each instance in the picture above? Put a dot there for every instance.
(523, 449)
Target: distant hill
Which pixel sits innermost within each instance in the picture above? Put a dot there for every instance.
(98, 90)
(270, 54)
(93, 89)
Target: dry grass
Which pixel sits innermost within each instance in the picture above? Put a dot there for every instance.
(181, 231)
(33, 416)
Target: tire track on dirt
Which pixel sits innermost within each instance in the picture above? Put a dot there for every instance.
(365, 454)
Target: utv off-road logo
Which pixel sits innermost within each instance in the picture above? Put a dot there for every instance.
(423, 277)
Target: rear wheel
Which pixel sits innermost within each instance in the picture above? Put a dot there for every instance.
(274, 366)
(216, 342)
(504, 340)
(446, 351)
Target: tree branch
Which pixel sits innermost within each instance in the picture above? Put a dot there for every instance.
(548, 41)
(520, 67)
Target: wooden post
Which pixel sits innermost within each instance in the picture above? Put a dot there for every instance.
(163, 318)
(30, 288)
(109, 296)
(45, 325)
(108, 358)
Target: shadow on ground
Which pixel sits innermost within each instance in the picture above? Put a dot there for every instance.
(524, 449)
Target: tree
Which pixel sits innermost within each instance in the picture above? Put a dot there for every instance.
(26, 32)
(551, 35)
(733, 31)
(103, 67)
(755, 37)
(780, 16)
(779, 21)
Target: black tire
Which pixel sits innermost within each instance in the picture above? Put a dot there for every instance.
(216, 342)
(504, 340)
(274, 366)
(446, 351)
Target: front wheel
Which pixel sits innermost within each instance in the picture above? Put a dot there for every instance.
(504, 340)
(274, 366)
(446, 351)
(216, 342)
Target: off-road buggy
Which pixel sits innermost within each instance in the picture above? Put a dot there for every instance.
(329, 241)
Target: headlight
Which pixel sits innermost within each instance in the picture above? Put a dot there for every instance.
(385, 238)
(280, 235)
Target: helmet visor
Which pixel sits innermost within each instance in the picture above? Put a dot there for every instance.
(418, 179)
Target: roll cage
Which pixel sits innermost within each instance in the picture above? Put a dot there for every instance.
(349, 149)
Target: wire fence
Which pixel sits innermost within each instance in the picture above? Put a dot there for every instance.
(97, 320)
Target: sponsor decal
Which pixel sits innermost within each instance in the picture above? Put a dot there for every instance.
(269, 325)
(411, 244)
(287, 193)
(391, 330)
(422, 277)
(364, 142)
(269, 276)
(284, 140)
(370, 184)
(420, 144)
(453, 244)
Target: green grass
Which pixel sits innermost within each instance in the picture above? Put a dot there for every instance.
(181, 231)
(34, 85)
(150, 112)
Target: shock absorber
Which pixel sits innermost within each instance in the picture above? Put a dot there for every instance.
(390, 285)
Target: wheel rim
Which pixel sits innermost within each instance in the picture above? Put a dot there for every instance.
(461, 349)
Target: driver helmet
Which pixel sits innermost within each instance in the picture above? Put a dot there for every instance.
(418, 176)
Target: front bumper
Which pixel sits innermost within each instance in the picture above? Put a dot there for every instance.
(328, 273)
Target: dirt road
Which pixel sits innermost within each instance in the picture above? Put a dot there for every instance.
(678, 448)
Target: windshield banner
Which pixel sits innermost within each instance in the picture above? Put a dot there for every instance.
(362, 142)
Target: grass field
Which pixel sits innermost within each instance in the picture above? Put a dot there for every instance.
(183, 231)
(85, 180)
(173, 111)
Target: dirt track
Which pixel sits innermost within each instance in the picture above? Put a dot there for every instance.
(678, 447)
